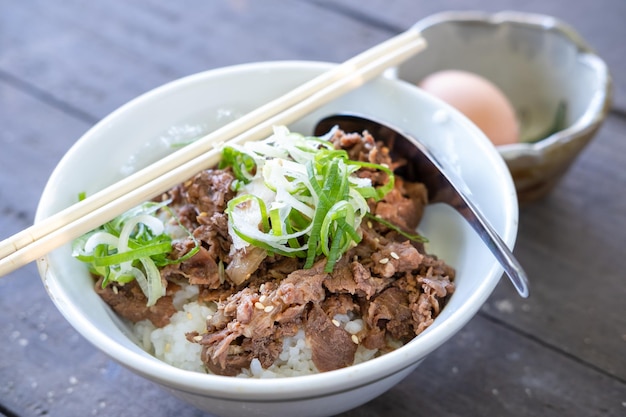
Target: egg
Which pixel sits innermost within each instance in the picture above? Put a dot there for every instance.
(478, 99)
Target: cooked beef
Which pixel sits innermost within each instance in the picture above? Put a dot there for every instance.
(430, 302)
(252, 322)
(129, 302)
(389, 311)
(340, 304)
(342, 280)
(396, 257)
(210, 191)
(388, 281)
(213, 233)
(353, 278)
(200, 269)
(403, 206)
(331, 346)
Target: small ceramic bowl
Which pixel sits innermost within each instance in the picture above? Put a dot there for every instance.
(141, 131)
(560, 89)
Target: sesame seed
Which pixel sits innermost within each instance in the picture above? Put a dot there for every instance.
(189, 316)
(262, 298)
(115, 290)
(355, 339)
(384, 261)
(376, 240)
(197, 338)
(268, 309)
(209, 317)
(259, 306)
(203, 214)
(394, 255)
(336, 322)
(167, 347)
(369, 224)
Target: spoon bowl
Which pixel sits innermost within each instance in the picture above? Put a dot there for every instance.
(422, 166)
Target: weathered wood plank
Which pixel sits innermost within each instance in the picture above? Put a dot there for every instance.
(96, 57)
(34, 136)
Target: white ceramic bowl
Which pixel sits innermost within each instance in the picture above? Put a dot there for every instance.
(539, 62)
(209, 100)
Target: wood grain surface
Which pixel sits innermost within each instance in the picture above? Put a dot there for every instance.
(65, 65)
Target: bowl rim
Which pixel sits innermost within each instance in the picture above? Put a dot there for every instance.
(296, 387)
(598, 106)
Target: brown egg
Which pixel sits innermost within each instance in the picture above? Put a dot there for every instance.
(478, 99)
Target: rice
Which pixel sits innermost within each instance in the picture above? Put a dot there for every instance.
(169, 343)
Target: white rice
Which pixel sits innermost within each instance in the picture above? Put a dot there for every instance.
(170, 345)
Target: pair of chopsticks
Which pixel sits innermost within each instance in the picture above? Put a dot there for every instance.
(82, 217)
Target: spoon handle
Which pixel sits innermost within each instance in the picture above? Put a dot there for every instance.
(498, 248)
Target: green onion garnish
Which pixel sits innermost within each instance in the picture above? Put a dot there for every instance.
(300, 196)
(411, 236)
(132, 246)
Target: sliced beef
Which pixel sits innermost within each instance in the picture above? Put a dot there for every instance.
(204, 267)
(213, 233)
(331, 346)
(396, 257)
(430, 302)
(129, 302)
(358, 146)
(389, 312)
(404, 205)
(340, 304)
(200, 269)
(210, 191)
(354, 278)
(367, 284)
(188, 216)
(277, 268)
(341, 279)
(252, 322)
(218, 295)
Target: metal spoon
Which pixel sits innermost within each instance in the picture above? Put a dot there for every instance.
(425, 168)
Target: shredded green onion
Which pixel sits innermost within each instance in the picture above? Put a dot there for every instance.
(130, 247)
(411, 236)
(300, 196)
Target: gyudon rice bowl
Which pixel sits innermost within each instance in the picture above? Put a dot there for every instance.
(141, 131)
(295, 255)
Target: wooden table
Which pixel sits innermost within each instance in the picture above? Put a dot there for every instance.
(65, 65)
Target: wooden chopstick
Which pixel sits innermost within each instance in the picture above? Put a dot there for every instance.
(80, 218)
